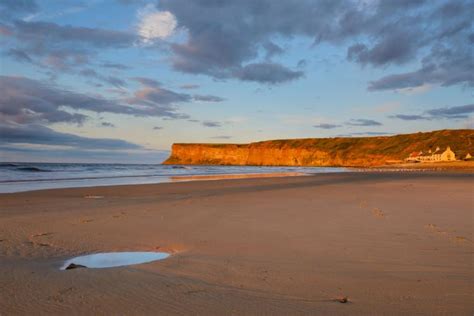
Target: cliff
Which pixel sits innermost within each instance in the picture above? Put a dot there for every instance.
(339, 151)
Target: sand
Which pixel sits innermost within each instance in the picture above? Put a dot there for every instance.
(391, 243)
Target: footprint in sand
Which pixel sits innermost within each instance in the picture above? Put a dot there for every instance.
(122, 214)
(376, 212)
(93, 196)
(460, 239)
(436, 230)
(41, 234)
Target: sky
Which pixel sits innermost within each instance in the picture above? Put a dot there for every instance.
(120, 81)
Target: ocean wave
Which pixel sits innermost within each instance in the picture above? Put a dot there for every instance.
(7, 165)
(32, 169)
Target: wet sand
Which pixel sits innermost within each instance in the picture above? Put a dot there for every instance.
(392, 243)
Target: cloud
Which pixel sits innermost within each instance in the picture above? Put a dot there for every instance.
(221, 137)
(107, 124)
(62, 47)
(408, 117)
(207, 98)
(11, 8)
(454, 112)
(156, 128)
(156, 95)
(227, 35)
(129, 2)
(269, 73)
(326, 126)
(302, 63)
(114, 81)
(152, 92)
(189, 86)
(211, 124)
(148, 82)
(19, 55)
(37, 134)
(363, 122)
(272, 49)
(238, 39)
(48, 33)
(115, 66)
(155, 24)
(25, 100)
(396, 47)
(462, 111)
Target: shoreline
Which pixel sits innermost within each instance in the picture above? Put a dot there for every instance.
(80, 182)
(285, 244)
(224, 178)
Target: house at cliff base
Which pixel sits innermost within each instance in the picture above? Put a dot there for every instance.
(432, 156)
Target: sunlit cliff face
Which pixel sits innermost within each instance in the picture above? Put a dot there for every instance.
(369, 151)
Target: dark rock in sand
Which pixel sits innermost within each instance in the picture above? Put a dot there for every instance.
(74, 266)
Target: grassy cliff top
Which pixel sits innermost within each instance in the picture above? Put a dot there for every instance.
(397, 146)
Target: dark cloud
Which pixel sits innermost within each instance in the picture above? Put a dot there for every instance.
(326, 126)
(221, 137)
(149, 96)
(270, 73)
(272, 49)
(207, 98)
(454, 112)
(302, 63)
(111, 80)
(36, 134)
(153, 93)
(11, 8)
(408, 117)
(189, 86)
(46, 33)
(211, 124)
(115, 66)
(394, 47)
(107, 124)
(363, 122)
(26, 100)
(19, 55)
(462, 111)
(63, 47)
(130, 2)
(227, 35)
(147, 82)
(441, 68)
(19, 5)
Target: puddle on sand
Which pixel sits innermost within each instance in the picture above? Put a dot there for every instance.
(112, 259)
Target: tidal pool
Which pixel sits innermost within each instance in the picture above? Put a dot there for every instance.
(112, 259)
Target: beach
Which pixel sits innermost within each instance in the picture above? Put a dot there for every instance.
(353, 243)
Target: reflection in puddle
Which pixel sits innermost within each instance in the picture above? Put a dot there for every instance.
(112, 259)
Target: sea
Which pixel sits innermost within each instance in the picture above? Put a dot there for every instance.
(18, 177)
